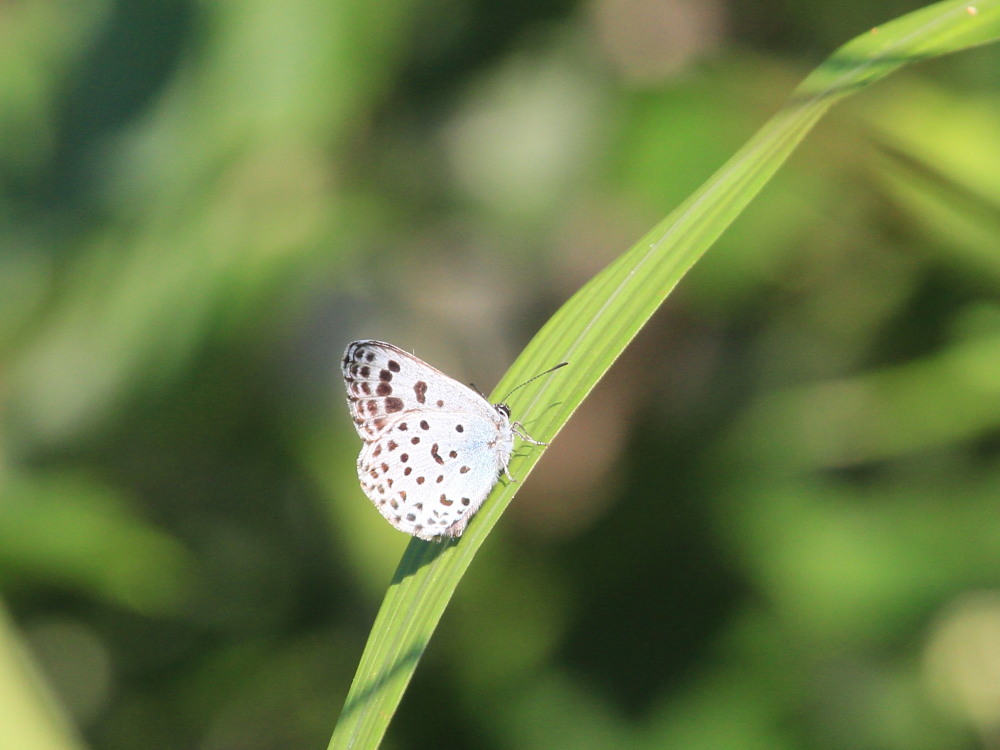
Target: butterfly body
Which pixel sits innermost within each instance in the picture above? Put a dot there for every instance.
(433, 447)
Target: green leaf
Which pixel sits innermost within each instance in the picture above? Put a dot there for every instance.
(597, 323)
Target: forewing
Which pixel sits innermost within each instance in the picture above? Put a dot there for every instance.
(384, 383)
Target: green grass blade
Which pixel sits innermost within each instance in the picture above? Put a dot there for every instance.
(597, 323)
(29, 713)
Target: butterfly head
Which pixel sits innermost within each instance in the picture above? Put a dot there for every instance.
(504, 411)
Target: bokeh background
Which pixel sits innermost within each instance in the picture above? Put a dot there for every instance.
(775, 524)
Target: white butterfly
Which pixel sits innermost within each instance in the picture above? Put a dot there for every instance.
(433, 448)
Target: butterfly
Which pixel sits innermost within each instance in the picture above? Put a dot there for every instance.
(433, 447)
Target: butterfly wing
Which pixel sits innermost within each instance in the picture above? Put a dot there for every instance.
(433, 447)
(386, 384)
(428, 479)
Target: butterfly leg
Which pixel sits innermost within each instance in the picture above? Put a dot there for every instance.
(518, 429)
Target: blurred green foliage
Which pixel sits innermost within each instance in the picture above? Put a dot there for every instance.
(775, 524)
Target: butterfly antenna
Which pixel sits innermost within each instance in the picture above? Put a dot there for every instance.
(529, 380)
